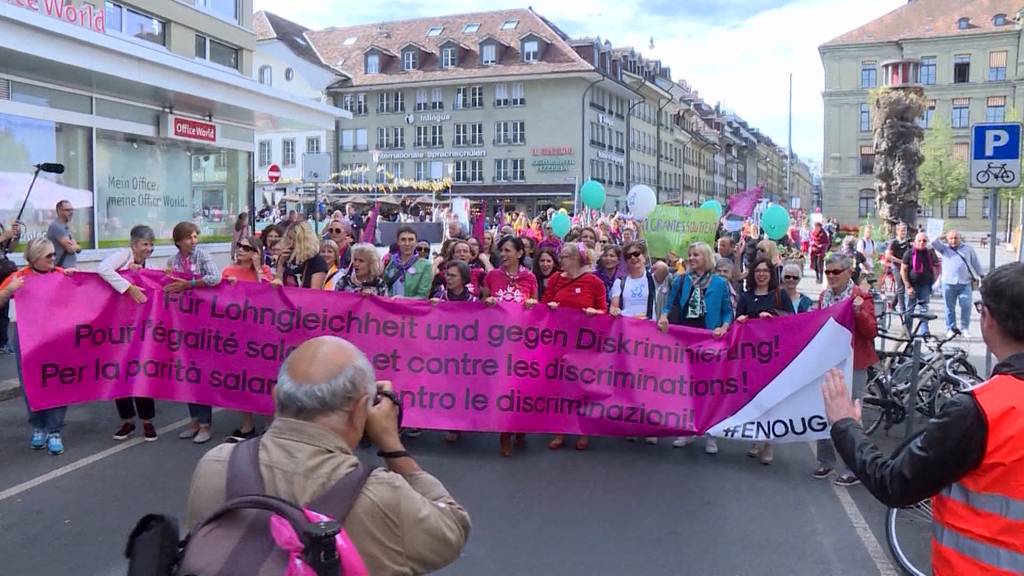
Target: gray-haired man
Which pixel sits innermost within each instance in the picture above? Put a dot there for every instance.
(404, 521)
(960, 269)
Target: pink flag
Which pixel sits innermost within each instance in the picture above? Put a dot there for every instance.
(371, 224)
(743, 204)
(479, 223)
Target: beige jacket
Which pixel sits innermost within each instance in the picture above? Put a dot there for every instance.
(400, 525)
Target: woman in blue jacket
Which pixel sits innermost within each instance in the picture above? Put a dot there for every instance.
(699, 299)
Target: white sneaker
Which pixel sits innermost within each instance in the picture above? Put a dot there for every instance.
(651, 440)
(711, 447)
(682, 442)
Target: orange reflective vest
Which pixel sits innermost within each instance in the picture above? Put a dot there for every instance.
(979, 521)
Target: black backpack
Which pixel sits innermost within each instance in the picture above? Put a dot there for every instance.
(236, 539)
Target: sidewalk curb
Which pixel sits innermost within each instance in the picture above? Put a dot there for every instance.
(10, 389)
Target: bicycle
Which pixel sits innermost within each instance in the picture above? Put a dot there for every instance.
(908, 531)
(998, 171)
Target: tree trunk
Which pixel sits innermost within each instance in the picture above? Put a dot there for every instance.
(897, 155)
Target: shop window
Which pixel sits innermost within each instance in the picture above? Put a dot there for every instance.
(25, 142)
(50, 98)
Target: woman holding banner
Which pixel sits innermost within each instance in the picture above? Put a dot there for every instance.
(46, 424)
(578, 288)
(610, 267)
(365, 276)
(131, 258)
(200, 272)
(300, 263)
(699, 299)
(270, 237)
(511, 282)
(329, 250)
(545, 266)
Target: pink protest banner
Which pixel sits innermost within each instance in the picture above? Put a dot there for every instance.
(456, 366)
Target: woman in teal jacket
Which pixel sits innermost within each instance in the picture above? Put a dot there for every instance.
(700, 299)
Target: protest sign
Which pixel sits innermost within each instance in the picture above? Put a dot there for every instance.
(455, 366)
(674, 228)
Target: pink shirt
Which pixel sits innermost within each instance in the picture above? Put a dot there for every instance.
(518, 289)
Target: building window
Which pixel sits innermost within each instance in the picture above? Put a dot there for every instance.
(489, 54)
(868, 74)
(510, 24)
(469, 134)
(373, 63)
(223, 9)
(437, 136)
(390, 102)
(519, 132)
(428, 170)
(469, 97)
(361, 140)
(312, 145)
(867, 160)
(422, 136)
(288, 152)
(865, 118)
(999, 20)
(469, 171)
(997, 66)
(223, 54)
(348, 140)
(435, 31)
(127, 21)
(436, 99)
(449, 58)
(354, 103)
(510, 170)
(866, 204)
(502, 132)
(461, 135)
(266, 153)
(925, 121)
(470, 28)
(531, 51)
(961, 112)
(928, 210)
(958, 209)
(961, 68)
(409, 60)
(289, 74)
(266, 75)
(518, 94)
(421, 99)
(963, 24)
(501, 99)
(995, 109)
(928, 67)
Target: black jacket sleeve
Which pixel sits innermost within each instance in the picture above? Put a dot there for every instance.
(950, 446)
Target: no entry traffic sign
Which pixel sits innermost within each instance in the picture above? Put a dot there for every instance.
(274, 173)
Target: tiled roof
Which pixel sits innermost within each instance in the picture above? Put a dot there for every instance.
(933, 18)
(270, 26)
(343, 48)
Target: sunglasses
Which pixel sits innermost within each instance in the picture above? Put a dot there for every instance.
(790, 277)
(424, 249)
(632, 255)
(835, 272)
(245, 248)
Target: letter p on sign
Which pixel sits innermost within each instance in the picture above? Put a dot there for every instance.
(995, 139)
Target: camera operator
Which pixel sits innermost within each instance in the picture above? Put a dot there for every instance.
(404, 521)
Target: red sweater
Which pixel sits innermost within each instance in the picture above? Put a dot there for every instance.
(865, 329)
(586, 291)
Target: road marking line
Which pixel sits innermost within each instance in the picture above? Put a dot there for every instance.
(64, 470)
(867, 537)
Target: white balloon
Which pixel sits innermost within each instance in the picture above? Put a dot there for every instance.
(641, 201)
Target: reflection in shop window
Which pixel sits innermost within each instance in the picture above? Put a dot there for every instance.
(163, 183)
(25, 142)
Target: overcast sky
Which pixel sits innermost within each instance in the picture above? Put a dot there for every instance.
(737, 52)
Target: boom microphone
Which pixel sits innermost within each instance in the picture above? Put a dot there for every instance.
(51, 167)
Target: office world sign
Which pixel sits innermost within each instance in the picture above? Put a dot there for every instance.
(85, 15)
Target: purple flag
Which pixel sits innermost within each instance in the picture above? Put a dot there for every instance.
(743, 204)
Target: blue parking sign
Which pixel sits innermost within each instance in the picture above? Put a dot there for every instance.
(995, 155)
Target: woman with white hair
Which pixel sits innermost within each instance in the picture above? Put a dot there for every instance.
(46, 424)
(365, 276)
(791, 275)
(579, 288)
(300, 263)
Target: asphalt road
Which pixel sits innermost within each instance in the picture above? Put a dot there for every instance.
(619, 508)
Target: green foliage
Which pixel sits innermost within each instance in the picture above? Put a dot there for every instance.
(1013, 116)
(942, 175)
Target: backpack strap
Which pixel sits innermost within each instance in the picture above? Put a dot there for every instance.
(652, 291)
(338, 500)
(244, 475)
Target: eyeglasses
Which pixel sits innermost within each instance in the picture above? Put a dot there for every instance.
(790, 277)
(835, 272)
(978, 305)
(423, 249)
(632, 255)
(245, 248)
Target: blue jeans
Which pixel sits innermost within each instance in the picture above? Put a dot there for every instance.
(201, 413)
(954, 294)
(918, 303)
(50, 420)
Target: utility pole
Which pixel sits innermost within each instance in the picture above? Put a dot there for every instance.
(789, 146)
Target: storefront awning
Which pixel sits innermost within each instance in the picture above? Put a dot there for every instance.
(38, 47)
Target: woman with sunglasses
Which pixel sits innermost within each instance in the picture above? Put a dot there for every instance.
(46, 424)
(365, 275)
(791, 275)
(248, 267)
(340, 233)
(576, 287)
(134, 257)
(200, 272)
(241, 232)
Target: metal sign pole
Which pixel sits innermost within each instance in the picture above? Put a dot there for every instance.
(993, 213)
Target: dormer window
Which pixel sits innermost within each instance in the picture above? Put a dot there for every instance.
(531, 51)
(999, 20)
(373, 63)
(449, 57)
(470, 28)
(435, 31)
(489, 54)
(410, 60)
(963, 23)
(510, 25)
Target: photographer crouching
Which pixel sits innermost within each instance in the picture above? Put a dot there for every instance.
(326, 398)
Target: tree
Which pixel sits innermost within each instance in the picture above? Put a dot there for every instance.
(943, 175)
(897, 143)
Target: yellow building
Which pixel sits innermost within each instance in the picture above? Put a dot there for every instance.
(970, 70)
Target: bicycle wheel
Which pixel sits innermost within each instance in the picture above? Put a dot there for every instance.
(1007, 176)
(871, 411)
(983, 176)
(909, 532)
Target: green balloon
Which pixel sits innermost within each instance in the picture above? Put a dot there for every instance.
(775, 222)
(593, 194)
(714, 205)
(560, 224)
